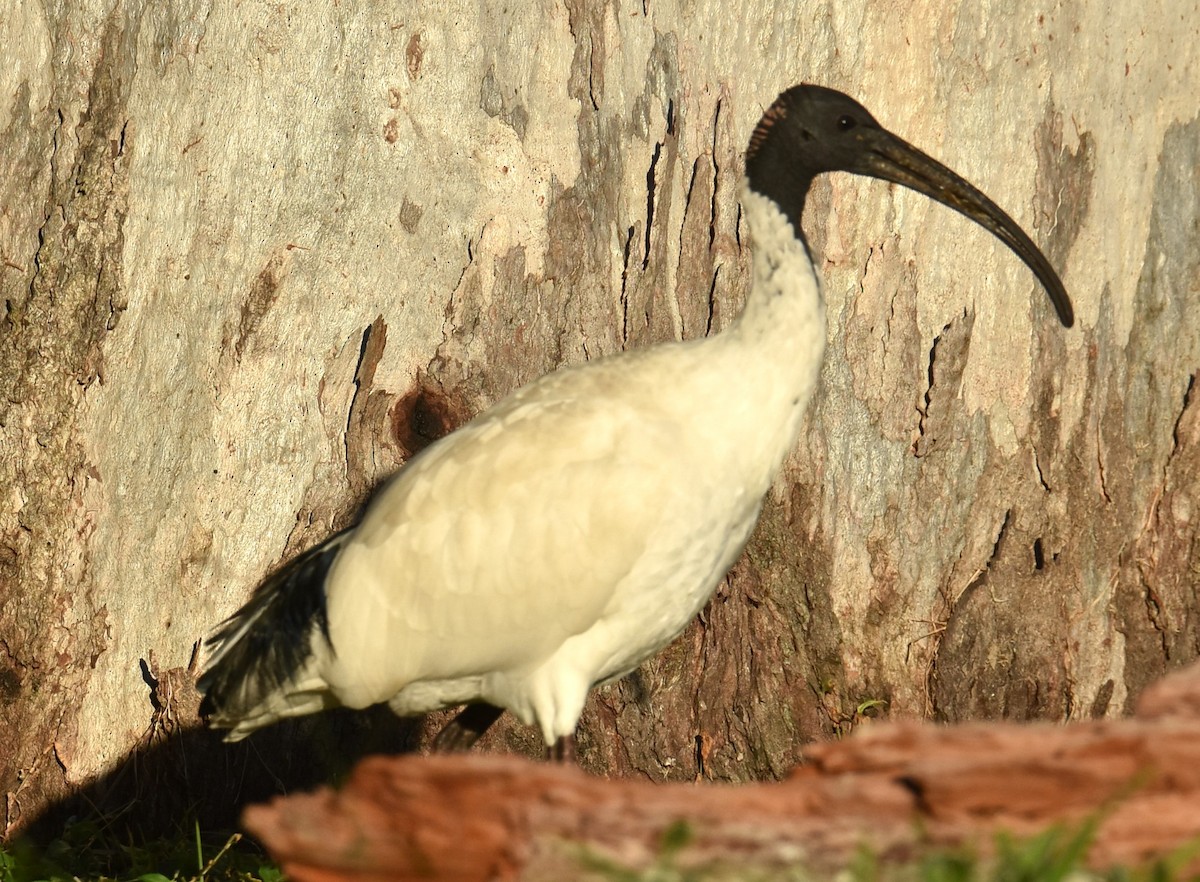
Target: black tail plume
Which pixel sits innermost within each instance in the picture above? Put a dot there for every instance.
(262, 646)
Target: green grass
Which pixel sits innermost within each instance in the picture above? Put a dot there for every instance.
(90, 852)
(1056, 855)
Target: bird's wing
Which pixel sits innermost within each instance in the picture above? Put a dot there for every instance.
(502, 540)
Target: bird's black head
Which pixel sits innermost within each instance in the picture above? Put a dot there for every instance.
(810, 130)
(807, 131)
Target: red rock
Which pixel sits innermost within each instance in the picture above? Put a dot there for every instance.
(895, 787)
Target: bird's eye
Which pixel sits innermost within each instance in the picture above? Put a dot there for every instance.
(846, 122)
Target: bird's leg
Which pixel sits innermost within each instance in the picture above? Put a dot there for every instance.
(563, 750)
(464, 730)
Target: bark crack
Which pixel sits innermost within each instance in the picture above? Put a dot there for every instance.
(712, 212)
(359, 380)
(650, 187)
(19, 310)
(652, 182)
(687, 199)
(940, 627)
(1156, 612)
(448, 323)
(1100, 465)
(919, 447)
(999, 539)
(1041, 476)
(625, 288)
(712, 302)
(1187, 400)
(592, 73)
(981, 574)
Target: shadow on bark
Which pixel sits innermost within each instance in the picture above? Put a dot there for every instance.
(181, 777)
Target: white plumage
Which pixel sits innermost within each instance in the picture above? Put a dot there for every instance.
(575, 528)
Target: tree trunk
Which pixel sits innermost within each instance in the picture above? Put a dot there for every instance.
(255, 256)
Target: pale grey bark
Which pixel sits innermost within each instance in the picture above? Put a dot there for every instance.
(206, 206)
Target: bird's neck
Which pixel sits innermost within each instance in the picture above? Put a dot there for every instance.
(784, 315)
(770, 357)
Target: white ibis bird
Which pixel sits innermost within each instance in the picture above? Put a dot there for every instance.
(571, 531)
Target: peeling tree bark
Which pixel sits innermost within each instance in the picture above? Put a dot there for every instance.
(255, 257)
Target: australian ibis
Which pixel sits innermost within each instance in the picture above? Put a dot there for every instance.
(572, 530)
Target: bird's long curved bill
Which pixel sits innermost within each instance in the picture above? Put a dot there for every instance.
(893, 159)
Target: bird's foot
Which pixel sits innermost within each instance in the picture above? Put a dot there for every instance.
(563, 750)
(461, 733)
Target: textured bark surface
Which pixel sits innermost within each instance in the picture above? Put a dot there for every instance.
(897, 789)
(254, 256)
